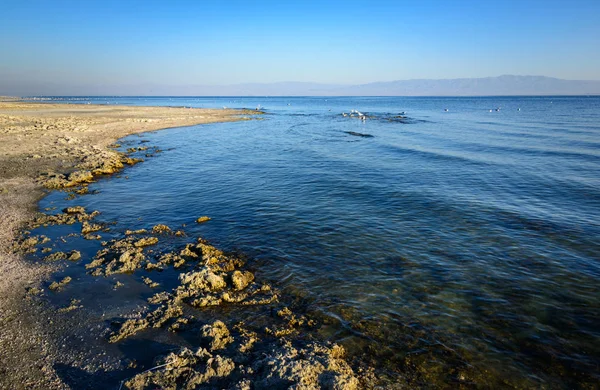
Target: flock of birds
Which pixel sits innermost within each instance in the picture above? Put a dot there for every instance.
(357, 113)
(363, 117)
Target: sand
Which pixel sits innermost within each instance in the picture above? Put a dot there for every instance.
(37, 139)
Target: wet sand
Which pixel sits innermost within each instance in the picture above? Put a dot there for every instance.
(45, 146)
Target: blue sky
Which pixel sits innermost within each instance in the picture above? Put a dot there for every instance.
(349, 42)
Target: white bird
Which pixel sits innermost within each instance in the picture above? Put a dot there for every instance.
(344, 114)
(518, 109)
(445, 110)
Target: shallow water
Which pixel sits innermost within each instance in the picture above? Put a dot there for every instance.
(453, 243)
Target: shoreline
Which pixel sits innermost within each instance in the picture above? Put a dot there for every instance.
(40, 145)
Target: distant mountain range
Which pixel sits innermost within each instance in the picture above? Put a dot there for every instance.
(487, 86)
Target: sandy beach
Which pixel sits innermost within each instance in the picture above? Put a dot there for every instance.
(39, 142)
(47, 147)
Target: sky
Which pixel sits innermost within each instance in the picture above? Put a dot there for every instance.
(335, 42)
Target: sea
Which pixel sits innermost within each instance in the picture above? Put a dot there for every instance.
(455, 240)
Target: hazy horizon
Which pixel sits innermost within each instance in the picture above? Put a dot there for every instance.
(505, 85)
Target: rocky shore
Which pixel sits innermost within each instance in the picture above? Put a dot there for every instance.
(268, 344)
(49, 146)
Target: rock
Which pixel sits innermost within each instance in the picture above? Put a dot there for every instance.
(75, 304)
(139, 231)
(203, 280)
(241, 280)
(87, 227)
(146, 242)
(56, 256)
(203, 219)
(161, 229)
(74, 210)
(149, 282)
(55, 286)
(74, 255)
(218, 334)
(79, 177)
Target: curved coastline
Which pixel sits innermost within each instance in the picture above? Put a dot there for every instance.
(40, 145)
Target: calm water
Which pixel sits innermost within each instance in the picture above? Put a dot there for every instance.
(453, 243)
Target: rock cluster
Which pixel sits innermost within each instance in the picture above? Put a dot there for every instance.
(224, 363)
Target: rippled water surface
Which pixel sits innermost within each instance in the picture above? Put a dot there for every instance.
(453, 241)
